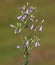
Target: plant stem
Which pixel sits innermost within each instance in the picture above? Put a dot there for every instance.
(21, 38)
(26, 54)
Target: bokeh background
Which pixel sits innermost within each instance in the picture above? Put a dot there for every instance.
(43, 55)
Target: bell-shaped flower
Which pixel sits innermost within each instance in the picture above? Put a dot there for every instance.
(31, 9)
(19, 17)
(27, 44)
(24, 17)
(37, 44)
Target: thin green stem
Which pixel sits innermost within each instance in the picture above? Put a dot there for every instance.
(21, 38)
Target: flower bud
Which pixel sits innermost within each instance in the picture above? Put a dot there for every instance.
(40, 29)
(18, 47)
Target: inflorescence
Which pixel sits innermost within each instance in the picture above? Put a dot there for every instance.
(27, 20)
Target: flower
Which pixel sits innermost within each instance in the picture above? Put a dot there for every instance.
(40, 29)
(27, 12)
(37, 44)
(19, 17)
(31, 19)
(24, 17)
(17, 46)
(31, 9)
(27, 44)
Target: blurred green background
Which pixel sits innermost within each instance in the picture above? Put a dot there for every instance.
(43, 55)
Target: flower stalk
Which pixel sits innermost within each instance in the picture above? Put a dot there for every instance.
(29, 22)
(26, 56)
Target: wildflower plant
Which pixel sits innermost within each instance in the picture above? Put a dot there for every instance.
(28, 21)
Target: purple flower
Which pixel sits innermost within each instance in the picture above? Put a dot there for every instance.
(19, 17)
(37, 44)
(27, 12)
(24, 16)
(31, 9)
(31, 19)
(27, 44)
(17, 46)
(40, 29)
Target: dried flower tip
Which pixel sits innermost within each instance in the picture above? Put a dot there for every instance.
(32, 16)
(25, 22)
(25, 38)
(37, 44)
(35, 30)
(22, 12)
(42, 21)
(36, 21)
(18, 47)
(24, 7)
(20, 24)
(24, 16)
(32, 27)
(19, 30)
(17, 24)
(15, 31)
(40, 29)
(11, 25)
(27, 3)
